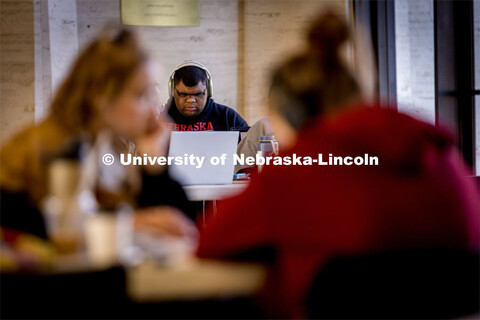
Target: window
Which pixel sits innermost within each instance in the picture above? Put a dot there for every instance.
(476, 49)
(428, 56)
(454, 72)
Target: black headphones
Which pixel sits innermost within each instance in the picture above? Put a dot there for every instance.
(190, 63)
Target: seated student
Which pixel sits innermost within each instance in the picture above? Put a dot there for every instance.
(191, 106)
(418, 196)
(111, 89)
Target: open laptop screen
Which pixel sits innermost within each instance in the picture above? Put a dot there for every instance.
(200, 147)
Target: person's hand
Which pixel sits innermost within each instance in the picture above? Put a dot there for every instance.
(164, 221)
(155, 138)
(154, 141)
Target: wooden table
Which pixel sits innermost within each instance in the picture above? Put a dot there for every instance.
(199, 279)
(189, 278)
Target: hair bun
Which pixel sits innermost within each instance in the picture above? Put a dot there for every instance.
(327, 33)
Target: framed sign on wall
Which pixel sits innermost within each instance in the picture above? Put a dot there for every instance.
(162, 13)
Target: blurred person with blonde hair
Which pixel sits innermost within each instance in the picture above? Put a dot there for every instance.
(299, 217)
(109, 95)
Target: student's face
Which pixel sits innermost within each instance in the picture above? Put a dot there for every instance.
(190, 101)
(134, 110)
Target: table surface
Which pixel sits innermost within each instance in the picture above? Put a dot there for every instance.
(194, 280)
(214, 192)
(188, 279)
(198, 279)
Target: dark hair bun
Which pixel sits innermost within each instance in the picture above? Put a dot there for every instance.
(327, 33)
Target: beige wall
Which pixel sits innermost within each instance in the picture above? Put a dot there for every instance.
(273, 30)
(238, 40)
(16, 66)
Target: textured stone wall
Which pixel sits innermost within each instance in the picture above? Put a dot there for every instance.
(273, 30)
(239, 41)
(214, 42)
(17, 83)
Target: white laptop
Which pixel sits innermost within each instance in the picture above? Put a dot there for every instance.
(205, 144)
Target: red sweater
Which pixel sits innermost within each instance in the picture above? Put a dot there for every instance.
(418, 196)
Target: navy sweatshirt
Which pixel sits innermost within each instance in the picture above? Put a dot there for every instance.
(214, 116)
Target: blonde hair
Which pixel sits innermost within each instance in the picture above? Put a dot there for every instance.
(317, 81)
(99, 74)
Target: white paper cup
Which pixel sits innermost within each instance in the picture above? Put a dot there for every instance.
(101, 239)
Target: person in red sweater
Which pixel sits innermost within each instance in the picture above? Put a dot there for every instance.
(418, 196)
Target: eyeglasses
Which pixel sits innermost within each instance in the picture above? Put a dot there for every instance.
(183, 95)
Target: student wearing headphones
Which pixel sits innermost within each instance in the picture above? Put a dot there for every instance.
(191, 106)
